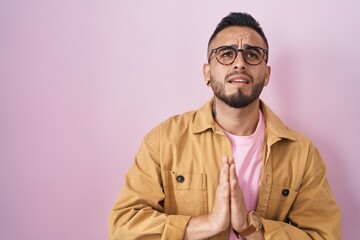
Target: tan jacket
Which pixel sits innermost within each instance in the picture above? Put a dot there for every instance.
(176, 172)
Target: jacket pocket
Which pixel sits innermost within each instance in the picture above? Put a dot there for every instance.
(281, 199)
(185, 193)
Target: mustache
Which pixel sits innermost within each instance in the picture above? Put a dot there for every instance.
(238, 73)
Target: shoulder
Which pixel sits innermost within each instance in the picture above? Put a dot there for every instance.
(189, 122)
(173, 126)
(176, 122)
(301, 152)
(287, 143)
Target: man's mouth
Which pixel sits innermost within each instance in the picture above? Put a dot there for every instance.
(239, 81)
(238, 78)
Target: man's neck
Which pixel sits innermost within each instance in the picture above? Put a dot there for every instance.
(237, 121)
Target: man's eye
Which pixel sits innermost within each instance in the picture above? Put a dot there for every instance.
(252, 55)
(227, 54)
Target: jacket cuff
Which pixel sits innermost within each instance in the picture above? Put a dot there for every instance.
(270, 225)
(175, 227)
(281, 231)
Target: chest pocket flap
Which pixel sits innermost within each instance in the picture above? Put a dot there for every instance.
(281, 199)
(185, 193)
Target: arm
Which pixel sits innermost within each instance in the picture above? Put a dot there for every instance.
(138, 212)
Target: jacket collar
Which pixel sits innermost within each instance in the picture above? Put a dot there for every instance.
(274, 125)
(204, 120)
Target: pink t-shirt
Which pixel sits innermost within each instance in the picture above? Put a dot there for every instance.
(248, 155)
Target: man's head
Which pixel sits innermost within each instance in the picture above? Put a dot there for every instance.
(237, 69)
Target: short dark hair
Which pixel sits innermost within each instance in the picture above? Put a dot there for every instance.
(239, 19)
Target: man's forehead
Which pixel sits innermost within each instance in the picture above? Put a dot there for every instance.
(237, 35)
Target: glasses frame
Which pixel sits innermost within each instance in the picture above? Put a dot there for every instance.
(265, 51)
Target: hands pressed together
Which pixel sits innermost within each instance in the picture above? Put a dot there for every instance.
(229, 208)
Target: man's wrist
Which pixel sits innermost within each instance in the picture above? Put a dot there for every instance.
(243, 226)
(252, 225)
(200, 227)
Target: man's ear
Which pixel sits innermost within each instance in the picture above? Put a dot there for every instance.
(206, 73)
(267, 75)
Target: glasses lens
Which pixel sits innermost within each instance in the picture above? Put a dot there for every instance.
(226, 55)
(253, 56)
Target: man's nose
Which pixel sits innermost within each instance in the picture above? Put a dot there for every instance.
(239, 62)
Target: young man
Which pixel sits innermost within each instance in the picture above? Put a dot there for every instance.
(231, 169)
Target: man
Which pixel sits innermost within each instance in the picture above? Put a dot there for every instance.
(231, 169)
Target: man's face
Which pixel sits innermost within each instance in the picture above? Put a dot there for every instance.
(239, 83)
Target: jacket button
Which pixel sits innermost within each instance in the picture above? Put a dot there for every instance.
(285, 192)
(180, 179)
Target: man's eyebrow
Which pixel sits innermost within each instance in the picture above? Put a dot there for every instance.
(247, 46)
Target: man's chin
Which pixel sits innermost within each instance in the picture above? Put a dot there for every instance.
(238, 102)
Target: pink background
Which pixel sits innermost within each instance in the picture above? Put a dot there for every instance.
(81, 82)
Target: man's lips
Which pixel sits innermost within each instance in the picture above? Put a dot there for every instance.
(239, 79)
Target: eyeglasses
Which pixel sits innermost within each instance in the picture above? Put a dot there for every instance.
(226, 55)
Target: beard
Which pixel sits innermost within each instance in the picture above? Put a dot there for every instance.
(238, 99)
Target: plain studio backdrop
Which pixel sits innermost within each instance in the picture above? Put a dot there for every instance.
(81, 82)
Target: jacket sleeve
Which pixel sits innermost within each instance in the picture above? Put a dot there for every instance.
(314, 213)
(138, 212)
